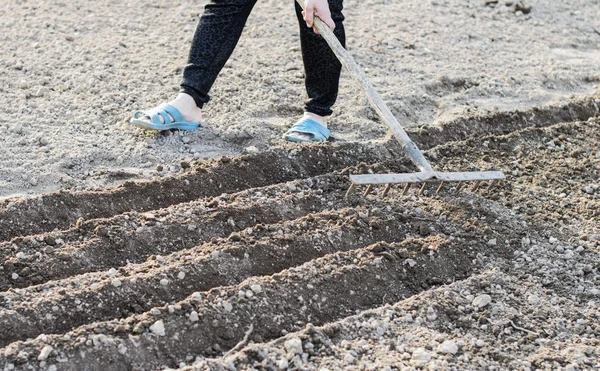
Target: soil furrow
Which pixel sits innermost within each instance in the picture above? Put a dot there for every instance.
(21, 217)
(131, 238)
(320, 291)
(136, 288)
(445, 326)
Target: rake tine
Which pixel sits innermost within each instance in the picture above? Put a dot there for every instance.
(368, 190)
(460, 186)
(476, 187)
(422, 189)
(386, 190)
(439, 188)
(406, 188)
(352, 187)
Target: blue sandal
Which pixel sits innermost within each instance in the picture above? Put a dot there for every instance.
(308, 126)
(172, 119)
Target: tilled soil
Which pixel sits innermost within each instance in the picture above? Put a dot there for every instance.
(283, 271)
(73, 72)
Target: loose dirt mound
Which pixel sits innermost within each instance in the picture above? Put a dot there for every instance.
(282, 271)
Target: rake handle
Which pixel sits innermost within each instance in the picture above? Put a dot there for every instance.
(377, 103)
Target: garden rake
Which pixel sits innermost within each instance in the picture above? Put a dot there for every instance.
(427, 174)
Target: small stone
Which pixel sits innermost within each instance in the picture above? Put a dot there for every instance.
(112, 272)
(116, 282)
(186, 140)
(533, 299)
(552, 240)
(23, 84)
(159, 167)
(164, 282)
(349, 358)
(181, 275)
(448, 347)
(227, 307)
(158, 328)
(411, 263)
(99, 340)
(50, 240)
(283, 364)
(481, 301)
(420, 357)
(256, 289)
(194, 316)
(15, 276)
(45, 353)
(184, 164)
(492, 242)
(480, 343)
(293, 345)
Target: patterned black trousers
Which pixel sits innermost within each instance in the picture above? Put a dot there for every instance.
(218, 32)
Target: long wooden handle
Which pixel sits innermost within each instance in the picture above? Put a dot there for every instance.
(376, 102)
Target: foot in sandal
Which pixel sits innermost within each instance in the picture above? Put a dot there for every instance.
(181, 113)
(310, 128)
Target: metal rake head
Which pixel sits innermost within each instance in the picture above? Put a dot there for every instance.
(371, 180)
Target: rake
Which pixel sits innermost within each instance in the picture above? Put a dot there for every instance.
(427, 174)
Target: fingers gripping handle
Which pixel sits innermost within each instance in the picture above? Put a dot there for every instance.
(376, 102)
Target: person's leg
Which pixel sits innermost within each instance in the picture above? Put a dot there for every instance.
(321, 68)
(215, 38)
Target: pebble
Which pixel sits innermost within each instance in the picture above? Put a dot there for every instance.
(164, 282)
(15, 276)
(533, 299)
(99, 339)
(492, 242)
(158, 328)
(181, 275)
(194, 316)
(257, 289)
(481, 301)
(116, 282)
(553, 240)
(420, 357)
(45, 353)
(293, 345)
(283, 364)
(480, 343)
(448, 347)
(227, 307)
(349, 358)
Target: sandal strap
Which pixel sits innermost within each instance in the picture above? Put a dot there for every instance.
(310, 126)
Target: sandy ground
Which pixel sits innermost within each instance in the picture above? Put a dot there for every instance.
(71, 74)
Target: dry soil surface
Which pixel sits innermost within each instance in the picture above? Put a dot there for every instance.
(72, 72)
(241, 252)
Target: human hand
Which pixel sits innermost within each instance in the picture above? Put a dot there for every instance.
(319, 8)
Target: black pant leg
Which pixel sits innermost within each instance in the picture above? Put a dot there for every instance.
(215, 38)
(321, 67)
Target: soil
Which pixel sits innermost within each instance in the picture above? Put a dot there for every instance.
(258, 258)
(504, 277)
(72, 73)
